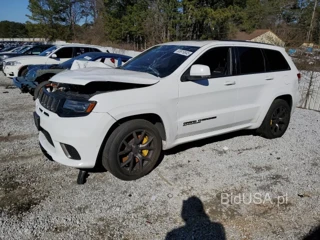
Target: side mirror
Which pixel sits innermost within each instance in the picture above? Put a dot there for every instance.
(199, 72)
(54, 56)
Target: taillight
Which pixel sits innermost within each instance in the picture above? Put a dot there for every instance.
(112, 60)
(299, 76)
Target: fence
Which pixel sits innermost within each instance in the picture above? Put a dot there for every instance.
(309, 88)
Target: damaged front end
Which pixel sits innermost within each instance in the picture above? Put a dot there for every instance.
(69, 100)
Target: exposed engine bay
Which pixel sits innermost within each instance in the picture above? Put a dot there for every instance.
(88, 90)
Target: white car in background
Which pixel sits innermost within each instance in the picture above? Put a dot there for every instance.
(18, 66)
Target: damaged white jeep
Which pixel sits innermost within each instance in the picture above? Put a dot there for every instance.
(171, 94)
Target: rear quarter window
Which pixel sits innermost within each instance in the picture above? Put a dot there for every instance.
(275, 61)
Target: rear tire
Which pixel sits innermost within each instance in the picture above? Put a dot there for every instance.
(132, 150)
(276, 121)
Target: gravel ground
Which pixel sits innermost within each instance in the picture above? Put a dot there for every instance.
(187, 196)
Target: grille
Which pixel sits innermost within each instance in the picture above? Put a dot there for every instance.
(48, 100)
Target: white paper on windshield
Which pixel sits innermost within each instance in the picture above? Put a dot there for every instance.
(183, 52)
(87, 57)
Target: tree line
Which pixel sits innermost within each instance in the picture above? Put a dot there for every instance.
(142, 23)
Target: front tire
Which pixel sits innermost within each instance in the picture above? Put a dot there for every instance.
(24, 72)
(38, 88)
(132, 150)
(276, 121)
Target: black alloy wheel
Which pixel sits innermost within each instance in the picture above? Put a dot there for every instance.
(132, 150)
(276, 121)
(135, 151)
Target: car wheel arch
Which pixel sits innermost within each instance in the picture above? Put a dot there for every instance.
(286, 97)
(22, 69)
(265, 108)
(155, 119)
(151, 117)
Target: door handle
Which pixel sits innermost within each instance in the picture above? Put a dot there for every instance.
(230, 83)
(270, 78)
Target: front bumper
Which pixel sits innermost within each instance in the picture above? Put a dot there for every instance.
(84, 134)
(25, 86)
(10, 71)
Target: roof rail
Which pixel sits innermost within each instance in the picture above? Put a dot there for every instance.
(247, 41)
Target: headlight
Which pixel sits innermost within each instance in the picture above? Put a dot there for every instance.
(79, 106)
(12, 63)
(4, 57)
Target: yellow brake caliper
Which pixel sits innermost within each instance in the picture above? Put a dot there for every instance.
(145, 152)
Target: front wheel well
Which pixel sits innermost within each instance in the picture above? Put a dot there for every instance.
(21, 70)
(151, 117)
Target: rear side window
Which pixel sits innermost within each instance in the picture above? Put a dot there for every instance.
(64, 52)
(35, 51)
(251, 60)
(275, 61)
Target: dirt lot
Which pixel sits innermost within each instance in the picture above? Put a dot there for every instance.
(192, 194)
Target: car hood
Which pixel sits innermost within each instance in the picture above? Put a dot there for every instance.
(87, 75)
(3, 53)
(11, 54)
(21, 58)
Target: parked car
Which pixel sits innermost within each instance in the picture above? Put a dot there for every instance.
(38, 74)
(15, 49)
(35, 50)
(6, 49)
(18, 66)
(171, 94)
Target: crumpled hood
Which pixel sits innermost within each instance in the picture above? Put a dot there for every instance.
(86, 75)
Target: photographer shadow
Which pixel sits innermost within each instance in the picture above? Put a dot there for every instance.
(197, 223)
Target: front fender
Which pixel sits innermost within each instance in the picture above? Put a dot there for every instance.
(139, 109)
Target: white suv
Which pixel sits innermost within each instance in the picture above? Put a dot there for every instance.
(18, 66)
(171, 94)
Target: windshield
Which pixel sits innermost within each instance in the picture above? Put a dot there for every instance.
(7, 49)
(48, 51)
(160, 61)
(17, 49)
(24, 49)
